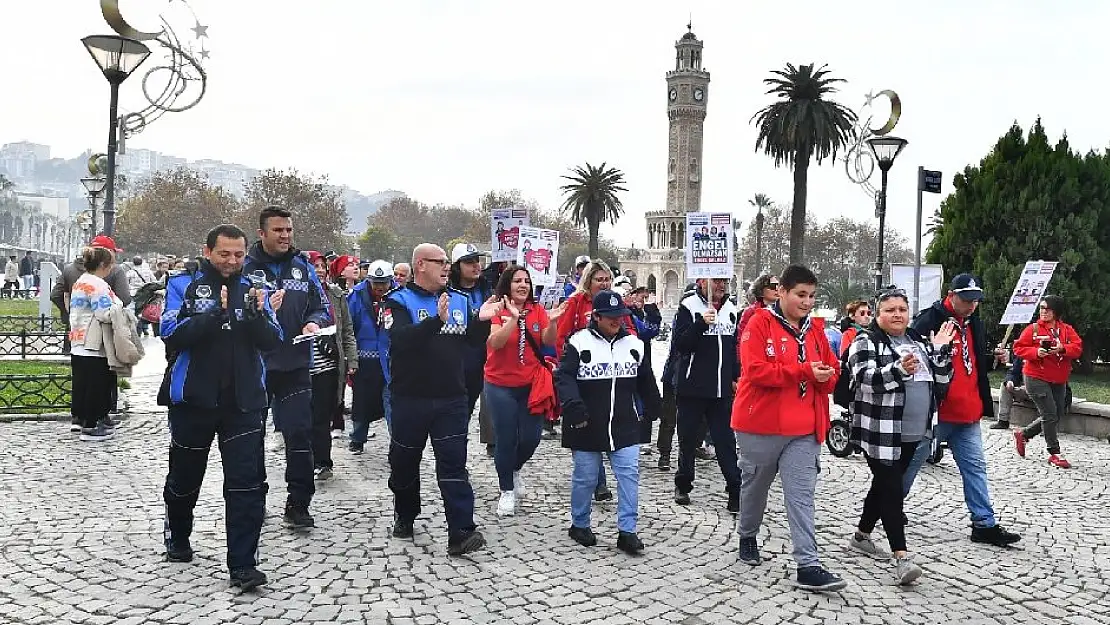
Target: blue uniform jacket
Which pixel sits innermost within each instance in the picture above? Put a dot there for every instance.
(206, 343)
(304, 302)
(476, 296)
(372, 339)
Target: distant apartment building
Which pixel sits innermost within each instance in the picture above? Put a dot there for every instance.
(18, 160)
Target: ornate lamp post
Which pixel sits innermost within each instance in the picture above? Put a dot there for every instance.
(94, 186)
(117, 58)
(885, 148)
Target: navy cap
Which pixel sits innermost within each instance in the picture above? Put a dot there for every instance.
(967, 287)
(609, 304)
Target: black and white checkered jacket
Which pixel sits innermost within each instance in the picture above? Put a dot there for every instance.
(880, 390)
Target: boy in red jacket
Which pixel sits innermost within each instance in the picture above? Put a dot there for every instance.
(780, 416)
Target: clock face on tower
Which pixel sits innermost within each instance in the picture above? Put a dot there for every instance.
(699, 94)
(673, 95)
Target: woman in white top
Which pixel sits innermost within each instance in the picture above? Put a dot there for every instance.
(92, 302)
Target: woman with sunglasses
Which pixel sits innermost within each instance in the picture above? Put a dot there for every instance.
(897, 375)
(859, 317)
(1048, 348)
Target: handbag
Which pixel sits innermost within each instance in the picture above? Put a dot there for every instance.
(542, 396)
(152, 312)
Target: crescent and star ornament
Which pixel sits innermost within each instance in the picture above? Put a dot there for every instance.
(112, 15)
(895, 111)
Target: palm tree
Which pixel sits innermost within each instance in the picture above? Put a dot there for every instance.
(591, 198)
(800, 126)
(760, 201)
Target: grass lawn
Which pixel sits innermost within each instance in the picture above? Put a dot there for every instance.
(1091, 387)
(32, 397)
(22, 308)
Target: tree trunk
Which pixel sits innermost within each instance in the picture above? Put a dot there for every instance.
(798, 213)
(593, 224)
(759, 243)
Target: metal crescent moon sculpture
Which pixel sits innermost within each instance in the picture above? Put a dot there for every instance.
(895, 113)
(112, 15)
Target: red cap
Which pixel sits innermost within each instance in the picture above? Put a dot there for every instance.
(103, 240)
(341, 263)
(313, 256)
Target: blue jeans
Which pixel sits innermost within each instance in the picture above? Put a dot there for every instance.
(965, 441)
(517, 432)
(583, 482)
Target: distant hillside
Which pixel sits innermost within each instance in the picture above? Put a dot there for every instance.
(360, 207)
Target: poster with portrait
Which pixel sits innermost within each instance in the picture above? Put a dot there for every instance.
(539, 252)
(552, 296)
(505, 225)
(1028, 291)
(709, 251)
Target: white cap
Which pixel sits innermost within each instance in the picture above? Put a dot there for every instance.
(464, 251)
(379, 271)
(581, 260)
(622, 281)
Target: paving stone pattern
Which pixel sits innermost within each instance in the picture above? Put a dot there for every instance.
(80, 542)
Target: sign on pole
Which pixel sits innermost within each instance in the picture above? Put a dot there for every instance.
(551, 295)
(709, 252)
(930, 181)
(505, 225)
(930, 283)
(539, 252)
(1028, 291)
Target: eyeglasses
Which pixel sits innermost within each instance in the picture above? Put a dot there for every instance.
(438, 261)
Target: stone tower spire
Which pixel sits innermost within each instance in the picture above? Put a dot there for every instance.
(687, 97)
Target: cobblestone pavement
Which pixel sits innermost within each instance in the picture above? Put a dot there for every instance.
(80, 542)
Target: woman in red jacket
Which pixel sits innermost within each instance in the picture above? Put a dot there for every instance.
(780, 416)
(1048, 347)
(859, 317)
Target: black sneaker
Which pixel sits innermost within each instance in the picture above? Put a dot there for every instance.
(466, 543)
(490, 448)
(749, 552)
(602, 493)
(247, 578)
(582, 535)
(1000, 425)
(179, 551)
(402, 528)
(629, 543)
(817, 579)
(681, 498)
(734, 502)
(664, 462)
(297, 516)
(355, 448)
(995, 535)
(109, 423)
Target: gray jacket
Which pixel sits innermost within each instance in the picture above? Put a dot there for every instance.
(117, 280)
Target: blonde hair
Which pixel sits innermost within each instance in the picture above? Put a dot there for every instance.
(591, 270)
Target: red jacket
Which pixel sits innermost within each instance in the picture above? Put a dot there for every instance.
(1056, 368)
(580, 307)
(746, 317)
(768, 400)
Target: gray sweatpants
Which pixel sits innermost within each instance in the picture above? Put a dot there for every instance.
(796, 459)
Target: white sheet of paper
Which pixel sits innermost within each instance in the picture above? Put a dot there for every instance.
(328, 331)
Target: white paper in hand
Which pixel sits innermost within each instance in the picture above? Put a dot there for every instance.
(328, 331)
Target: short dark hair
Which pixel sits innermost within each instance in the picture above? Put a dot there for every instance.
(505, 282)
(272, 211)
(227, 231)
(794, 275)
(96, 257)
(1056, 304)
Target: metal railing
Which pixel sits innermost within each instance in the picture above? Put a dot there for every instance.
(24, 344)
(35, 393)
(12, 324)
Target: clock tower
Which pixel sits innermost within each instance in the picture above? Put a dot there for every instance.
(687, 96)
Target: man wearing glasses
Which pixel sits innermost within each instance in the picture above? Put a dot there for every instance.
(431, 329)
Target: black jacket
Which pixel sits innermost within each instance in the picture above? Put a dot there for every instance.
(304, 302)
(208, 346)
(929, 320)
(597, 382)
(706, 356)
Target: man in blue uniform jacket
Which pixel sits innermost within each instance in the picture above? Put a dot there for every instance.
(431, 330)
(276, 264)
(216, 325)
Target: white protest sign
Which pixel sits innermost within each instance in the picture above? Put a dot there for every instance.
(1028, 291)
(932, 283)
(505, 225)
(552, 294)
(709, 251)
(538, 252)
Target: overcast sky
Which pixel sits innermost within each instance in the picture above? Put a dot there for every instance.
(447, 99)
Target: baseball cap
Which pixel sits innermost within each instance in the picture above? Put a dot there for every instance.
(313, 256)
(340, 263)
(465, 251)
(609, 304)
(581, 261)
(622, 281)
(380, 271)
(967, 287)
(105, 241)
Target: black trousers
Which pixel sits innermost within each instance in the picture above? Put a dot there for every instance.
(884, 500)
(291, 404)
(695, 414)
(325, 393)
(240, 438)
(93, 388)
(668, 421)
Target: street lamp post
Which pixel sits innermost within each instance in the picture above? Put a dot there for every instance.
(885, 148)
(94, 185)
(117, 57)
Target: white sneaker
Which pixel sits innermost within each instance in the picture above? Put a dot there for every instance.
(519, 488)
(337, 433)
(506, 506)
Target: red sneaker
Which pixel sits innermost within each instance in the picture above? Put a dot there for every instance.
(1019, 441)
(1059, 461)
